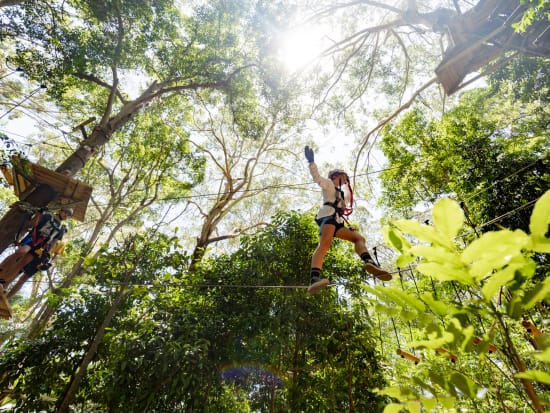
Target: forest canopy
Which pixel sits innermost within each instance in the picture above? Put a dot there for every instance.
(183, 287)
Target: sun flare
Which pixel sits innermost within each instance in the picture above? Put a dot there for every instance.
(300, 47)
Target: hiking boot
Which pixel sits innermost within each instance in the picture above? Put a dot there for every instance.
(317, 284)
(376, 271)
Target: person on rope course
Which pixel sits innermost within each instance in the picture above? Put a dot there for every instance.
(45, 231)
(331, 219)
(41, 263)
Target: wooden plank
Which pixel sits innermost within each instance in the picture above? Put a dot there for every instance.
(72, 193)
(478, 37)
(408, 356)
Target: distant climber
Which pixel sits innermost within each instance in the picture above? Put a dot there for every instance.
(45, 231)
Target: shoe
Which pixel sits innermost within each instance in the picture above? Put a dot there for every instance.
(316, 284)
(376, 271)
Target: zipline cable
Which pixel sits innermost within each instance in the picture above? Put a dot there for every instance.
(542, 158)
(34, 92)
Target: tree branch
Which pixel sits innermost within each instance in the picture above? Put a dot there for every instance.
(97, 81)
(389, 119)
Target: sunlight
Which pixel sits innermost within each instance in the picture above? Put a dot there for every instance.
(300, 46)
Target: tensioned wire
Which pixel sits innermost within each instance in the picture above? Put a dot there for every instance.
(252, 286)
(279, 186)
(302, 286)
(202, 285)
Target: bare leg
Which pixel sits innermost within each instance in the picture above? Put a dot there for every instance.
(317, 283)
(355, 237)
(361, 248)
(327, 235)
(13, 264)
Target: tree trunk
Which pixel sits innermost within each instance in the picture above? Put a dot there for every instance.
(43, 194)
(7, 3)
(90, 354)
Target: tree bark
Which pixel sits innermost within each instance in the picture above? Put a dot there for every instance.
(90, 354)
(43, 194)
(7, 3)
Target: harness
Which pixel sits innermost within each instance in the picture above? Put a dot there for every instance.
(47, 229)
(343, 212)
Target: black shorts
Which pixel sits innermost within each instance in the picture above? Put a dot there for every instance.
(329, 220)
(32, 267)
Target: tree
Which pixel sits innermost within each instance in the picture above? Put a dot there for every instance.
(169, 341)
(472, 152)
(379, 58)
(97, 46)
(144, 169)
(241, 167)
(498, 263)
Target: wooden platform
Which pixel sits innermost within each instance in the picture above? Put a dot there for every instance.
(5, 309)
(26, 176)
(485, 33)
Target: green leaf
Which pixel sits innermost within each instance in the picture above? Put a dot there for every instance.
(443, 272)
(423, 232)
(399, 393)
(538, 293)
(448, 402)
(468, 333)
(405, 259)
(438, 379)
(394, 238)
(438, 307)
(393, 408)
(514, 308)
(448, 217)
(396, 296)
(438, 254)
(388, 310)
(425, 386)
(539, 225)
(536, 375)
(408, 315)
(544, 356)
(499, 279)
(464, 385)
(494, 250)
(434, 341)
(429, 403)
(414, 406)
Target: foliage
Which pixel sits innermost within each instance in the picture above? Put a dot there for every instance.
(313, 344)
(537, 10)
(80, 44)
(185, 341)
(488, 151)
(496, 270)
(204, 341)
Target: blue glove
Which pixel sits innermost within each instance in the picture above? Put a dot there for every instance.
(309, 154)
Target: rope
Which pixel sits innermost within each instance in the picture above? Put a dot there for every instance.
(506, 177)
(508, 213)
(395, 331)
(243, 286)
(234, 286)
